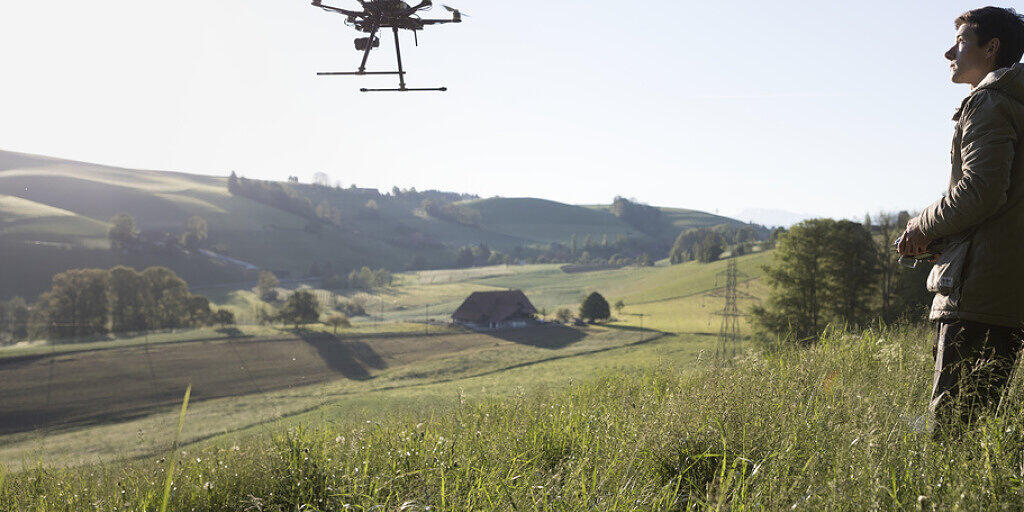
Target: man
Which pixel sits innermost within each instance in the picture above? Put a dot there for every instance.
(979, 278)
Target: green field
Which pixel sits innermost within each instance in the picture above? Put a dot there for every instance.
(251, 376)
(836, 427)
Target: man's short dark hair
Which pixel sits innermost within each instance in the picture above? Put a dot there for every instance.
(997, 22)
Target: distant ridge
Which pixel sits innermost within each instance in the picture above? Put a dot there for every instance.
(60, 220)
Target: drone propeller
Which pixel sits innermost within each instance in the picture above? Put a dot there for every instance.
(455, 11)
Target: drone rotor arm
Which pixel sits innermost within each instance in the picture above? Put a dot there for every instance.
(339, 10)
(438, 22)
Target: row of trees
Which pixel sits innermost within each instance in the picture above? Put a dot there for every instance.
(90, 302)
(642, 217)
(273, 194)
(301, 308)
(451, 212)
(594, 308)
(124, 234)
(838, 272)
(706, 244)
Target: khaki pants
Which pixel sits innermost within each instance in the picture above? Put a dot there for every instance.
(973, 363)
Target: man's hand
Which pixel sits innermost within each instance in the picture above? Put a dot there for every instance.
(913, 242)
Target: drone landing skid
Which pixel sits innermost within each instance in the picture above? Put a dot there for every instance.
(400, 72)
(332, 73)
(406, 89)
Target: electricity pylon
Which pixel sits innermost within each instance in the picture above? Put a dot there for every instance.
(729, 332)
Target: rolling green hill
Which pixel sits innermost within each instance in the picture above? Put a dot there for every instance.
(547, 221)
(54, 215)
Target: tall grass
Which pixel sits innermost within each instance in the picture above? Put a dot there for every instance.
(833, 427)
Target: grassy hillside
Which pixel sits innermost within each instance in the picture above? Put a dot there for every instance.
(257, 374)
(547, 221)
(835, 427)
(672, 297)
(54, 214)
(679, 219)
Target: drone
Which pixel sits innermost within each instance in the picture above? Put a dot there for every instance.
(382, 14)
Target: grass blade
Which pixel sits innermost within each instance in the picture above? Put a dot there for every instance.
(173, 457)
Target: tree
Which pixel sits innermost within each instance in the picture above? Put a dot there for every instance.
(594, 308)
(233, 183)
(267, 285)
(482, 253)
(169, 307)
(852, 269)
(823, 272)
(129, 300)
(321, 179)
(382, 278)
(710, 248)
(902, 290)
(362, 278)
(195, 232)
(223, 317)
(197, 311)
(464, 258)
(122, 232)
(338, 320)
(76, 304)
(300, 308)
(563, 315)
(619, 305)
(14, 315)
(644, 260)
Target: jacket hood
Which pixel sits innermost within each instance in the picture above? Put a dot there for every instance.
(1008, 80)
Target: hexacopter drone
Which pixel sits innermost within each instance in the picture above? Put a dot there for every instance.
(378, 14)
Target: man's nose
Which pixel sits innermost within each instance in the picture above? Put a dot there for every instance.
(951, 53)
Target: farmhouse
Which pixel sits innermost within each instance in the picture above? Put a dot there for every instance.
(495, 310)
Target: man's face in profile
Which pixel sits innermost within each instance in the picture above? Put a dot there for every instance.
(969, 62)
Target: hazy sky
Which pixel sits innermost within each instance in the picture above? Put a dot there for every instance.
(833, 108)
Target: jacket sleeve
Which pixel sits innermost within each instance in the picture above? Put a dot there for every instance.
(988, 144)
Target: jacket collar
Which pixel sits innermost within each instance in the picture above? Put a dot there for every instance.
(1002, 78)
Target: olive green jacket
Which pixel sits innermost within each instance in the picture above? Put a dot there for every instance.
(984, 205)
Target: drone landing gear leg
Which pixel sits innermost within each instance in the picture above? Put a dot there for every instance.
(362, 64)
(398, 53)
(369, 46)
(401, 73)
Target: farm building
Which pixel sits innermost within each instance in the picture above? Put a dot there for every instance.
(495, 310)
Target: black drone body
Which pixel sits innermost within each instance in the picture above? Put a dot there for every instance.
(380, 14)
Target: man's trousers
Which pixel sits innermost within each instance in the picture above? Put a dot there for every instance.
(973, 364)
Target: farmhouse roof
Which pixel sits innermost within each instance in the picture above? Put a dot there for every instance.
(498, 306)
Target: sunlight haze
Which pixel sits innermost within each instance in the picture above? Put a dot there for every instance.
(835, 109)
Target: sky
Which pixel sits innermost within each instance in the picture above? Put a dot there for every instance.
(832, 109)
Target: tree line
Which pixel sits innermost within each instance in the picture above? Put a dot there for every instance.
(451, 212)
(91, 302)
(827, 272)
(707, 244)
(124, 234)
(274, 194)
(642, 217)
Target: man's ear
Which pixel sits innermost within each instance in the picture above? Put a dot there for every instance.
(992, 47)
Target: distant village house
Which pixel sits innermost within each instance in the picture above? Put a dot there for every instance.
(495, 310)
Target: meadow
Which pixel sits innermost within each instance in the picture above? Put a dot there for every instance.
(839, 426)
(105, 400)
